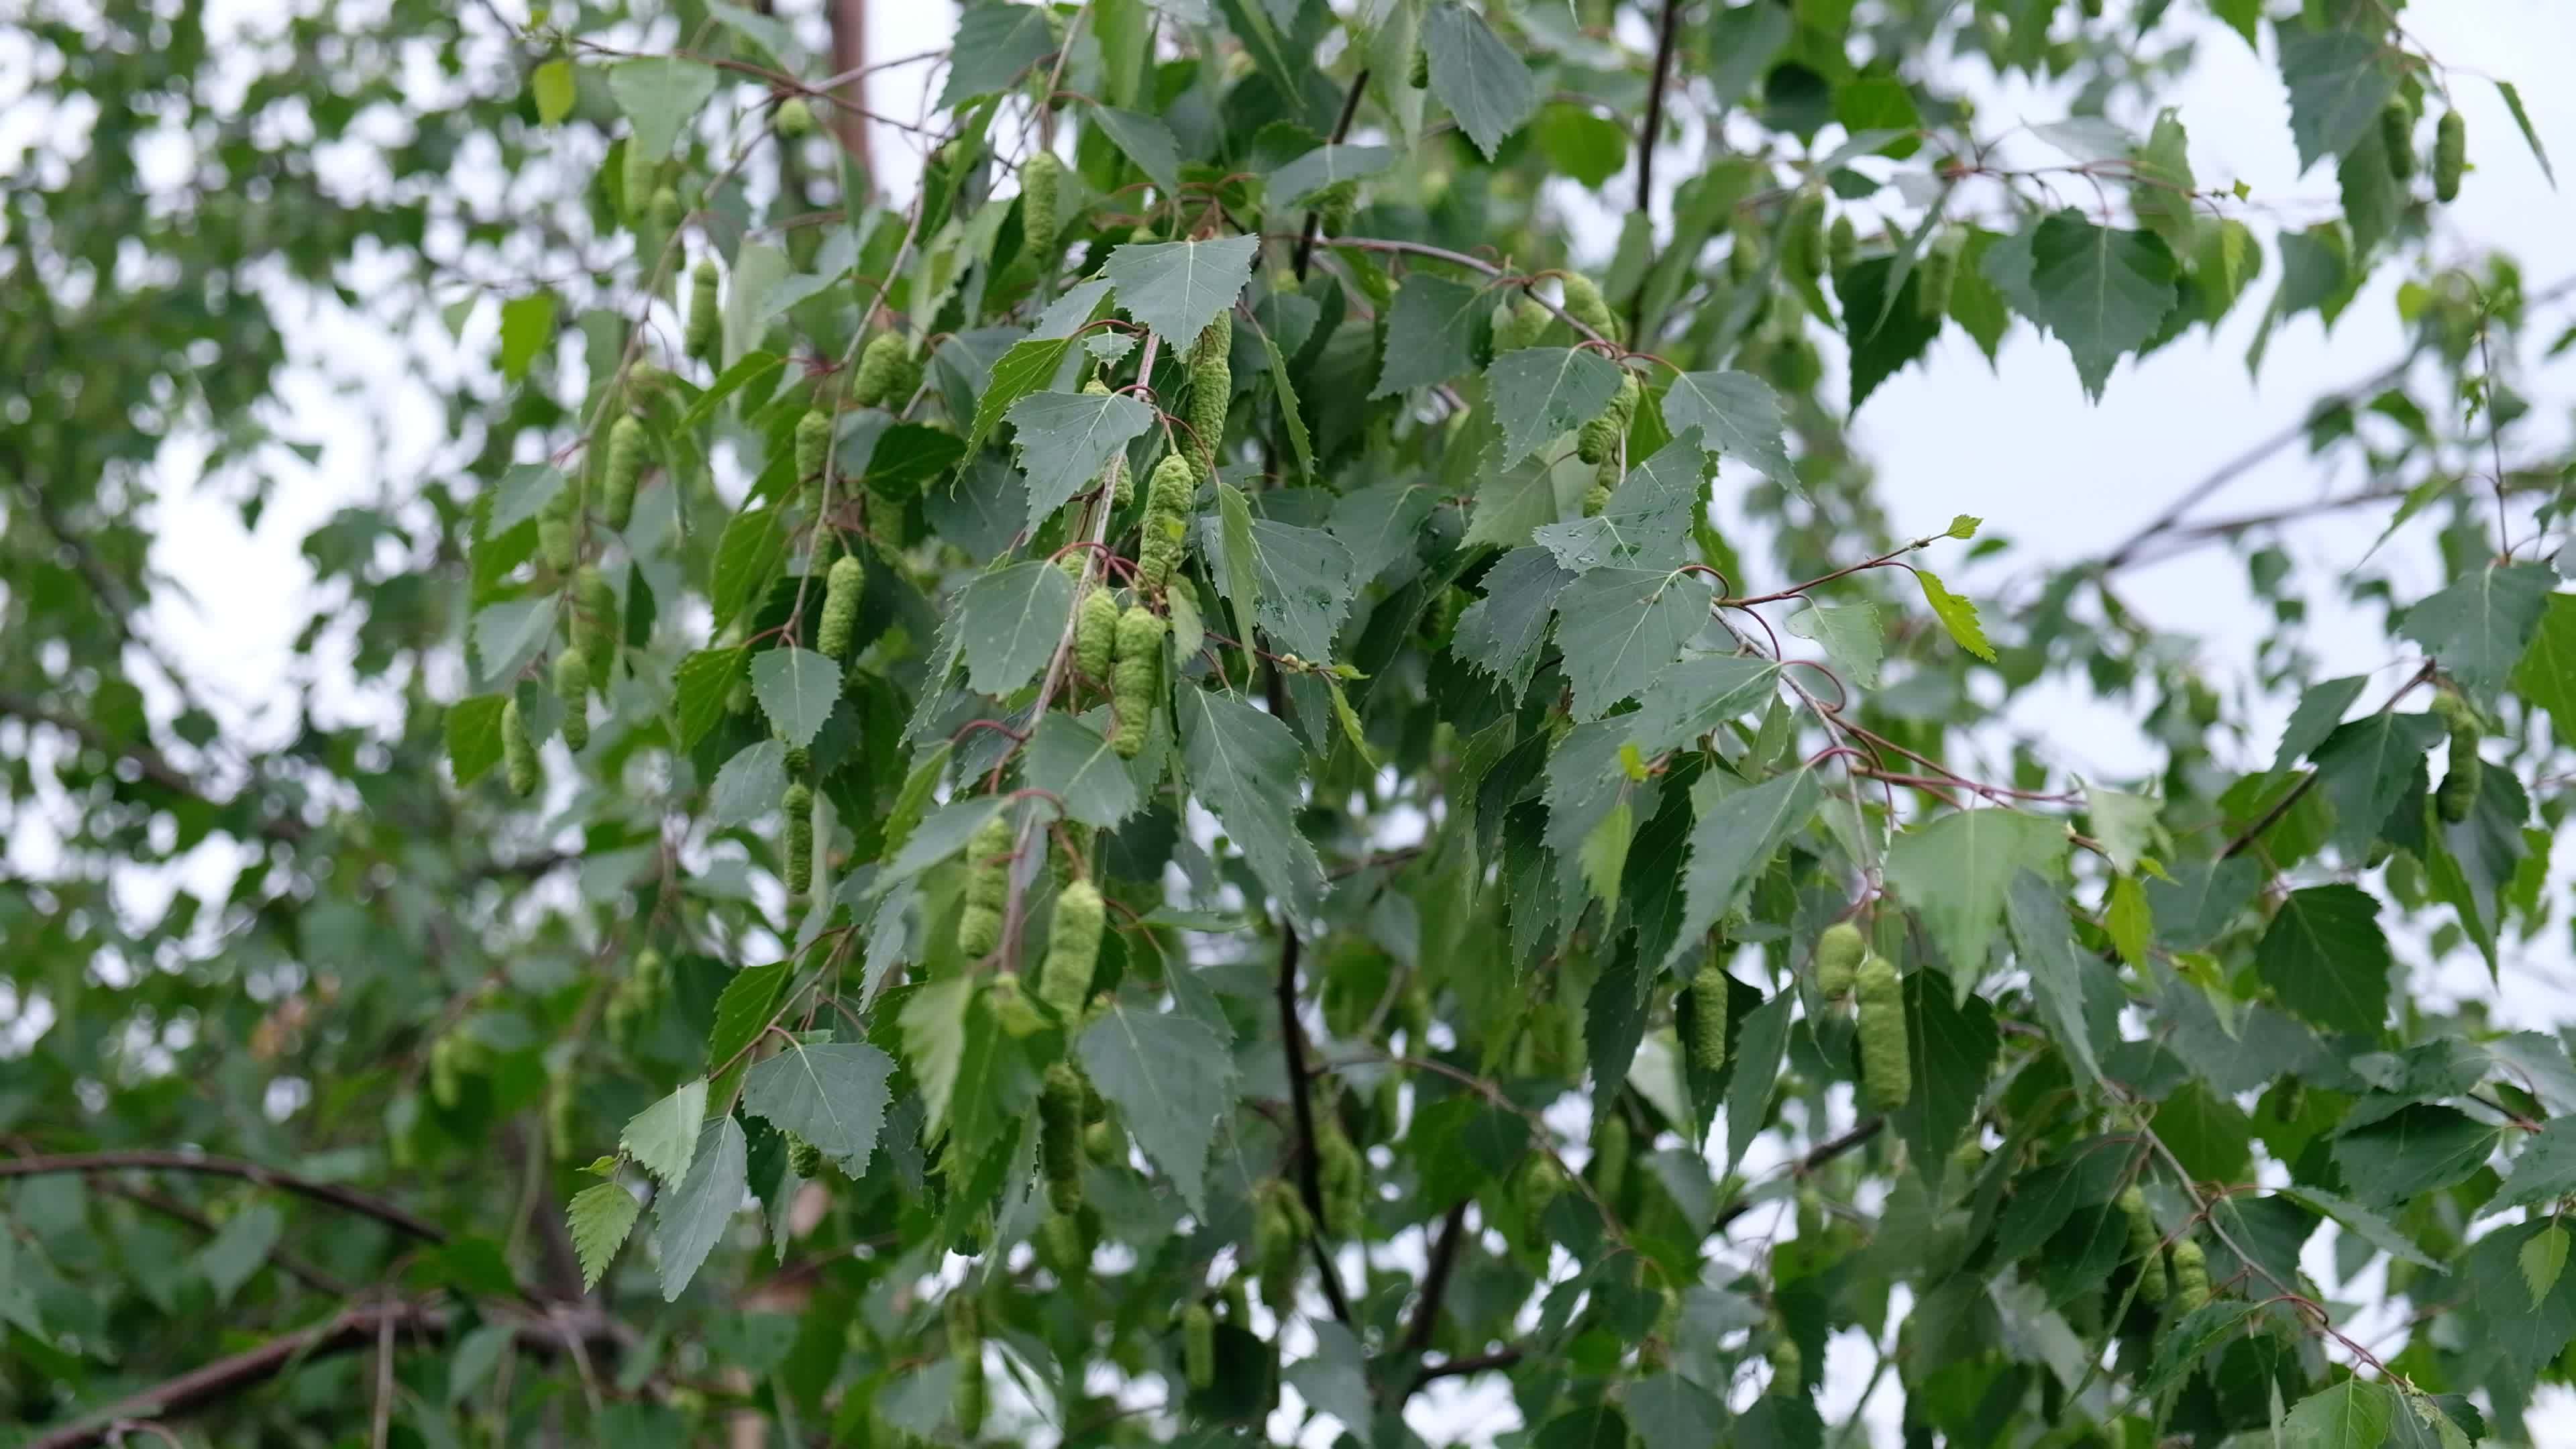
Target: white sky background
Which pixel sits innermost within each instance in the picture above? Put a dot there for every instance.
(2018, 445)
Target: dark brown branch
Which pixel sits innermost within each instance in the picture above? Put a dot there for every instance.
(1474, 1363)
(1341, 128)
(357, 1328)
(1647, 134)
(1817, 1156)
(322, 1192)
(850, 61)
(1435, 1278)
(1310, 1175)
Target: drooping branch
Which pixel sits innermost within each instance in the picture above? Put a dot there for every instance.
(347, 1199)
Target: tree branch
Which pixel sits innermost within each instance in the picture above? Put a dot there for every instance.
(1310, 1177)
(1435, 1278)
(1474, 1363)
(156, 767)
(1653, 125)
(346, 1199)
(356, 1328)
(278, 1258)
(1817, 1156)
(1341, 129)
(2245, 839)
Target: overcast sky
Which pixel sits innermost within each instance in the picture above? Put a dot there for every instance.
(2018, 445)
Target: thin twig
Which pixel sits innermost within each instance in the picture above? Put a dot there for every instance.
(1341, 128)
(1435, 1278)
(322, 1192)
(2308, 782)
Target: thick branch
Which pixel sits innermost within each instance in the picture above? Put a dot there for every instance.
(346, 1199)
(1653, 128)
(1341, 129)
(1435, 1279)
(357, 1328)
(1310, 1176)
(850, 66)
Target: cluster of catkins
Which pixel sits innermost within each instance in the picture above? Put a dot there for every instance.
(1846, 966)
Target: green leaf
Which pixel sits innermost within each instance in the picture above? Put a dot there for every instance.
(1755, 1057)
(239, 1248)
(1147, 142)
(689, 1219)
(1647, 522)
(933, 1024)
(2044, 1198)
(2044, 942)
(1540, 392)
(527, 325)
(1956, 614)
(660, 95)
(2412, 1151)
(1431, 333)
(1851, 635)
(1238, 579)
(996, 45)
(747, 556)
(749, 785)
(1296, 183)
(1897, 333)
(523, 492)
(2546, 676)
(473, 733)
(2353, 1414)
(1589, 148)
(2180, 1348)
(2339, 80)
(1303, 582)
(1501, 632)
(1733, 839)
(1177, 288)
(601, 1216)
(2321, 708)
(2103, 292)
(1621, 628)
(744, 1010)
(2542, 1258)
(796, 688)
(1030, 365)
(1244, 766)
(2364, 768)
(663, 1137)
(2544, 1171)
(1063, 440)
(2530, 137)
(937, 838)
(1734, 413)
(1009, 623)
(1697, 696)
(1170, 1079)
(1956, 872)
(1292, 414)
(832, 1095)
(1487, 87)
(1070, 760)
(2478, 628)
(1953, 1045)
(508, 634)
(702, 687)
(2363, 1223)
(2124, 824)
(551, 86)
(2325, 957)
(1604, 856)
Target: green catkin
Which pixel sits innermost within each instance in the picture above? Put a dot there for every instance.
(842, 587)
(798, 803)
(1041, 190)
(625, 470)
(1838, 954)
(1104, 1144)
(795, 119)
(798, 760)
(1344, 1183)
(2450, 155)
(559, 531)
(972, 1395)
(563, 1115)
(1278, 1231)
(1842, 244)
(1198, 1345)
(1807, 245)
(595, 624)
(804, 1158)
(1211, 390)
(883, 368)
(2190, 1277)
(1167, 519)
(813, 444)
(1073, 947)
(1936, 276)
(988, 888)
(1060, 1245)
(1583, 303)
(1610, 1156)
(2145, 1245)
(1060, 1137)
(1884, 1060)
(1333, 206)
(1135, 677)
(572, 686)
(1521, 326)
(702, 334)
(1598, 441)
(1708, 1018)
(518, 751)
(1788, 1365)
(668, 213)
(1420, 78)
(1011, 1009)
(2457, 795)
(1095, 633)
(2397, 138)
(641, 167)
